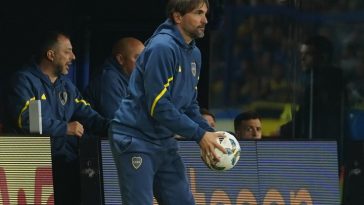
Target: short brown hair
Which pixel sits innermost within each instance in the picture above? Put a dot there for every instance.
(183, 6)
(205, 111)
(244, 116)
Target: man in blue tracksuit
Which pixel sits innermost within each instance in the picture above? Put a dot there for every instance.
(65, 115)
(109, 87)
(162, 103)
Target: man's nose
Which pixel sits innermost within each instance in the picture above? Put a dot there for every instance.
(255, 133)
(204, 20)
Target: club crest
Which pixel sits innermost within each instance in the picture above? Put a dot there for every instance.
(193, 69)
(136, 162)
(63, 97)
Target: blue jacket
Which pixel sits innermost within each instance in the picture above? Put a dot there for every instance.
(163, 90)
(61, 103)
(108, 88)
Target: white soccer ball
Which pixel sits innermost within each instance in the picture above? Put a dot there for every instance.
(227, 161)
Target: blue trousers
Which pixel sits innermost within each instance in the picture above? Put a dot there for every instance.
(146, 170)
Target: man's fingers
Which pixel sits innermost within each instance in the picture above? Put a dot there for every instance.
(212, 154)
(79, 131)
(79, 134)
(217, 145)
(209, 143)
(214, 157)
(221, 148)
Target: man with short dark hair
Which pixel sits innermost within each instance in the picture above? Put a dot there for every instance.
(65, 114)
(161, 104)
(247, 125)
(320, 111)
(110, 86)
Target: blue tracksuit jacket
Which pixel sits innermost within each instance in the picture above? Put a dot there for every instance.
(61, 103)
(163, 90)
(108, 88)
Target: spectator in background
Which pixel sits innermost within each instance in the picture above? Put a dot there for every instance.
(319, 114)
(65, 114)
(209, 117)
(247, 126)
(109, 87)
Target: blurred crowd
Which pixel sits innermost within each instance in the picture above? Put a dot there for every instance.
(255, 56)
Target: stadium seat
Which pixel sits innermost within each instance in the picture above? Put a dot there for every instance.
(356, 124)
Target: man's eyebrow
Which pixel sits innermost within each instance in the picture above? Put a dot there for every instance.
(200, 10)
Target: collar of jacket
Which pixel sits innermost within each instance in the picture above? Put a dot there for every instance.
(113, 64)
(169, 28)
(36, 70)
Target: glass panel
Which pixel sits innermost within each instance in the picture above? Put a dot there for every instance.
(257, 64)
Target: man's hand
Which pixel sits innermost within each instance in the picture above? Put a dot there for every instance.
(208, 144)
(75, 128)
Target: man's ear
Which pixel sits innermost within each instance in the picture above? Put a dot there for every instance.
(50, 55)
(177, 17)
(120, 59)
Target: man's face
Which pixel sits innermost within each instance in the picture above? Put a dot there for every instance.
(192, 24)
(210, 120)
(63, 55)
(307, 57)
(250, 129)
(129, 58)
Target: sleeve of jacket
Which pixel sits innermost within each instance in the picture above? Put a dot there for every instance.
(193, 112)
(158, 76)
(20, 97)
(88, 116)
(112, 92)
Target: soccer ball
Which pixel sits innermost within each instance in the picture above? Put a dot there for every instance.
(227, 161)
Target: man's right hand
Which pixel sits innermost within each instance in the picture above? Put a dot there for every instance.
(208, 144)
(75, 128)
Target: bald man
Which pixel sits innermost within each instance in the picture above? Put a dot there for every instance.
(109, 87)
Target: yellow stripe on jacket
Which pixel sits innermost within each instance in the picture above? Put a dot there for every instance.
(159, 96)
(82, 101)
(26, 106)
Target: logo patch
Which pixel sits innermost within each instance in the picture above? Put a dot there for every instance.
(193, 69)
(136, 162)
(63, 97)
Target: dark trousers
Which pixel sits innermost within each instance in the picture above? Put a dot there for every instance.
(157, 171)
(66, 178)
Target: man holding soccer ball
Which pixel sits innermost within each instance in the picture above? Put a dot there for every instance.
(162, 103)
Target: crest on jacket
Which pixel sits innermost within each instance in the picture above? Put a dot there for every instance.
(193, 69)
(136, 161)
(63, 97)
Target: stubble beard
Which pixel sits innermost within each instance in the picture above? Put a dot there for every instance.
(197, 34)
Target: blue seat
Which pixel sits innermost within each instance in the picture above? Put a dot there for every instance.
(356, 124)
